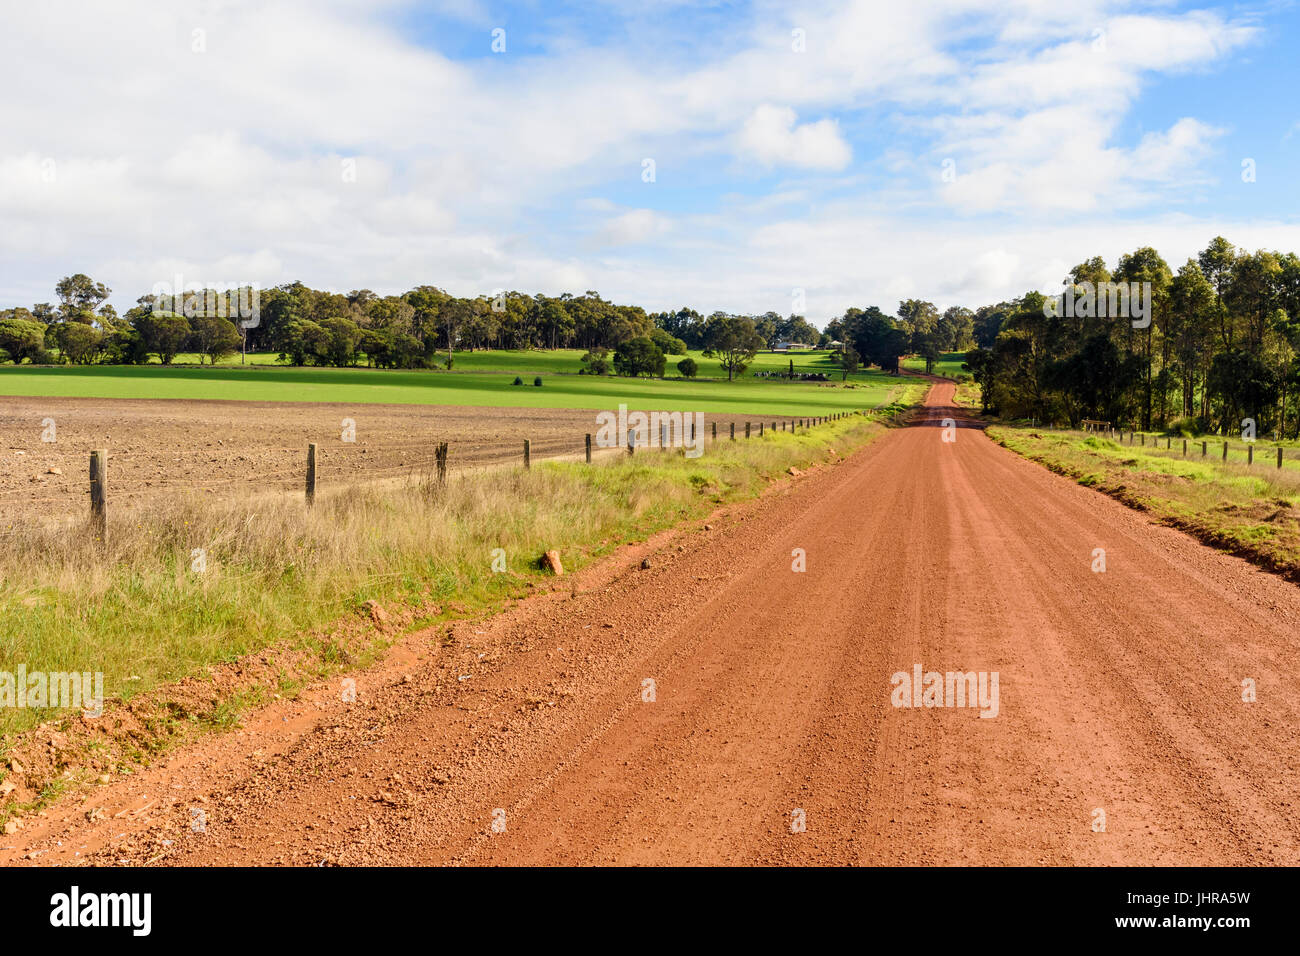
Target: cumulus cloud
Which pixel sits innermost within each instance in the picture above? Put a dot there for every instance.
(773, 136)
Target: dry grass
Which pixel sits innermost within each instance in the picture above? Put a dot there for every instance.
(135, 609)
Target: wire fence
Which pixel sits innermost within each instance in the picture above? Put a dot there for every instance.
(340, 463)
(1218, 449)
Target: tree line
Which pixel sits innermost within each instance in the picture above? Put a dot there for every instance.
(421, 328)
(1217, 343)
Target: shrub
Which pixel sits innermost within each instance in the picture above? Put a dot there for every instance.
(538, 381)
(596, 361)
(687, 367)
(518, 380)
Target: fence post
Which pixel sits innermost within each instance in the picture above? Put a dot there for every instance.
(1169, 442)
(631, 442)
(715, 430)
(746, 429)
(760, 429)
(99, 493)
(440, 456)
(528, 454)
(311, 473)
(1205, 448)
(1279, 456)
(1184, 447)
(1225, 451)
(589, 449)
(1250, 454)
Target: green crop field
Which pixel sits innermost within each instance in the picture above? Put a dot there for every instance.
(570, 360)
(949, 364)
(263, 383)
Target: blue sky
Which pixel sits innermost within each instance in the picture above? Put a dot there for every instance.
(957, 151)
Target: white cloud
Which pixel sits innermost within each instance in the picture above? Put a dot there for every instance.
(467, 172)
(637, 225)
(771, 136)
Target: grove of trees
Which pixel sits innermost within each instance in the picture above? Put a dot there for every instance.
(1221, 347)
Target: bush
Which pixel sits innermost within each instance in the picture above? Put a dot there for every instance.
(1185, 427)
(687, 367)
(538, 381)
(518, 380)
(596, 361)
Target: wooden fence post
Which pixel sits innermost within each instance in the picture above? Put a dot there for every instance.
(715, 430)
(1184, 447)
(440, 456)
(1250, 454)
(1205, 448)
(760, 429)
(99, 493)
(311, 473)
(1279, 456)
(1225, 451)
(528, 454)
(733, 431)
(746, 429)
(589, 449)
(1169, 442)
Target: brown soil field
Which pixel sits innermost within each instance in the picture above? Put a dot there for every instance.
(228, 449)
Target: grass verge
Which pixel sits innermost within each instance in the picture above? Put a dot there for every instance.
(288, 595)
(1251, 511)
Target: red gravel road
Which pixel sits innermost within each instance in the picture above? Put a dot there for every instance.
(1119, 693)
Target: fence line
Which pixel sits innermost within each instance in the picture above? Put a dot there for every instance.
(1137, 439)
(472, 455)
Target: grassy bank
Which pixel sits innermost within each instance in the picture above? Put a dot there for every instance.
(1252, 511)
(138, 611)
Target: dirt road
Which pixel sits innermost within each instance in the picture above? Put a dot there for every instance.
(1119, 694)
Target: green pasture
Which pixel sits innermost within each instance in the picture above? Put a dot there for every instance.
(949, 364)
(266, 383)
